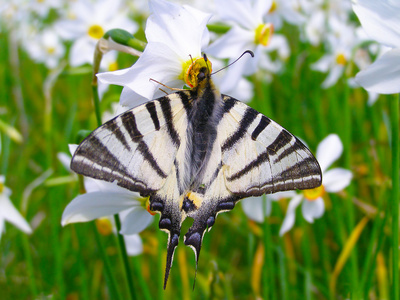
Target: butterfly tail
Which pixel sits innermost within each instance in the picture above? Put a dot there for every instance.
(172, 243)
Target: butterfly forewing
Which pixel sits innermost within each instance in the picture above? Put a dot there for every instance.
(126, 149)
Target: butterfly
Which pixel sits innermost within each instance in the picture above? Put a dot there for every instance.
(196, 153)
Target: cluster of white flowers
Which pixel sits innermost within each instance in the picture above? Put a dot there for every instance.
(254, 25)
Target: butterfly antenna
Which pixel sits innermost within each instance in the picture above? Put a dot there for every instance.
(247, 51)
(206, 59)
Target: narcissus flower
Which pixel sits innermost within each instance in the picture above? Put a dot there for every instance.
(341, 41)
(249, 31)
(45, 47)
(176, 35)
(86, 22)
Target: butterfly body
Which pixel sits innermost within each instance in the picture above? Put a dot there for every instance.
(195, 153)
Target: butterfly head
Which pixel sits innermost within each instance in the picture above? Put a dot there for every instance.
(196, 70)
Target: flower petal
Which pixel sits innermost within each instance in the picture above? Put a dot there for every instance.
(9, 213)
(290, 217)
(334, 74)
(136, 221)
(82, 51)
(336, 180)
(248, 14)
(383, 75)
(134, 244)
(130, 99)
(313, 209)
(94, 205)
(232, 43)
(329, 150)
(179, 28)
(380, 19)
(157, 62)
(253, 208)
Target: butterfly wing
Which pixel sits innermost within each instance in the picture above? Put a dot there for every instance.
(261, 156)
(144, 150)
(252, 155)
(125, 150)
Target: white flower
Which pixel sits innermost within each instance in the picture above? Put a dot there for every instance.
(8, 212)
(341, 41)
(248, 32)
(45, 47)
(320, 14)
(381, 22)
(333, 180)
(104, 199)
(87, 22)
(175, 36)
(257, 208)
(285, 10)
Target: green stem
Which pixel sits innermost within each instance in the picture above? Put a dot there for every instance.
(29, 265)
(347, 153)
(394, 112)
(306, 249)
(124, 255)
(107, 265)
(121, 241)
(96, 102)
(269, 265)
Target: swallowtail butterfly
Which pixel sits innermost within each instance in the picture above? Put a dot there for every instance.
(196, 153)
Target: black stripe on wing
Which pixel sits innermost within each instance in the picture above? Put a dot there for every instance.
(151, 108)
(129, 121)
(165, 103)
(244, 124)
(105, 166)
(260, 127)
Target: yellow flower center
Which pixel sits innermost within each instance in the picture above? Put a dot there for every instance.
(273, 7)
(113, 66)
(191, 69)
(314, 194)
(104, 226)
(51, 50)
(1, 187)
(341, 59)
(96, 32)
(263, 34)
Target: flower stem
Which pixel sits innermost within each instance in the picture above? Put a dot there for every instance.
(394, 111)
(107, 265)
(30, 267)
(121, 241)
(269, 266)
(347, 154)
(124, 254)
